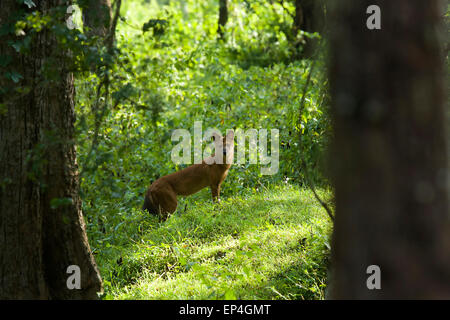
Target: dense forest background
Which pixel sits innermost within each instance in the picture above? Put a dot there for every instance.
(131, 73)
(171, 75)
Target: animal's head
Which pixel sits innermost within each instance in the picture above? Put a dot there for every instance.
(226, 144)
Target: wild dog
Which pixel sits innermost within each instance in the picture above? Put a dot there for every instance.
(161, 196)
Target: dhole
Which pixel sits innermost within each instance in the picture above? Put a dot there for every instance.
(161, 196)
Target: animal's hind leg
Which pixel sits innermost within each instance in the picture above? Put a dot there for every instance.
(166, 203)
(215, 192)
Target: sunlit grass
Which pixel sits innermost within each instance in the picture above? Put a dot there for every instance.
(269, 244)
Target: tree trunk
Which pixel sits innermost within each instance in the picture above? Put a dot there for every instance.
(42, 231)
(389, 159)
(298, 18)
(309, 17)
(97, 17)
(223, 18)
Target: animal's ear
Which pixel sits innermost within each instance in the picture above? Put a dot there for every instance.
(230, 134)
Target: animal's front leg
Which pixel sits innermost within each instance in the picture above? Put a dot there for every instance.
(215, 192)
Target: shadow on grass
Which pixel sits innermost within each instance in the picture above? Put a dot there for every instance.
(303, 280)
(205, 222)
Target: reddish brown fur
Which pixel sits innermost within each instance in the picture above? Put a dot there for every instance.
(161, 196)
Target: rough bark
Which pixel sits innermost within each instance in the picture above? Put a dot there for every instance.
(389, 152)
(38, 239)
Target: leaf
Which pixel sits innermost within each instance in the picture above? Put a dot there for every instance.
(17, 46)
(118, 226)
(158, 26)
(14, 76)
(29, 3)
(20, 32)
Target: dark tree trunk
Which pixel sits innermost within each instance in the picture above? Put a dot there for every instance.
(389, 159)
(223, 18)
(40, 236)
(309, 17)
(298, 18)
(97, 17)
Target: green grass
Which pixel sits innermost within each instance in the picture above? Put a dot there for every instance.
(264, 244)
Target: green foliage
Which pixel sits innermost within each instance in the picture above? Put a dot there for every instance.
(170, 81)
(169, 71)
(164, 71)
(266, 244)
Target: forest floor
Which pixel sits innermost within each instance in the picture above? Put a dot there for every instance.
(265, 244)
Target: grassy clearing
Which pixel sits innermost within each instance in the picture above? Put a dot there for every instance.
(266, 244)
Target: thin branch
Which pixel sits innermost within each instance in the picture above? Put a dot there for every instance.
(309, 181)
(109, 41)
(323, 203)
